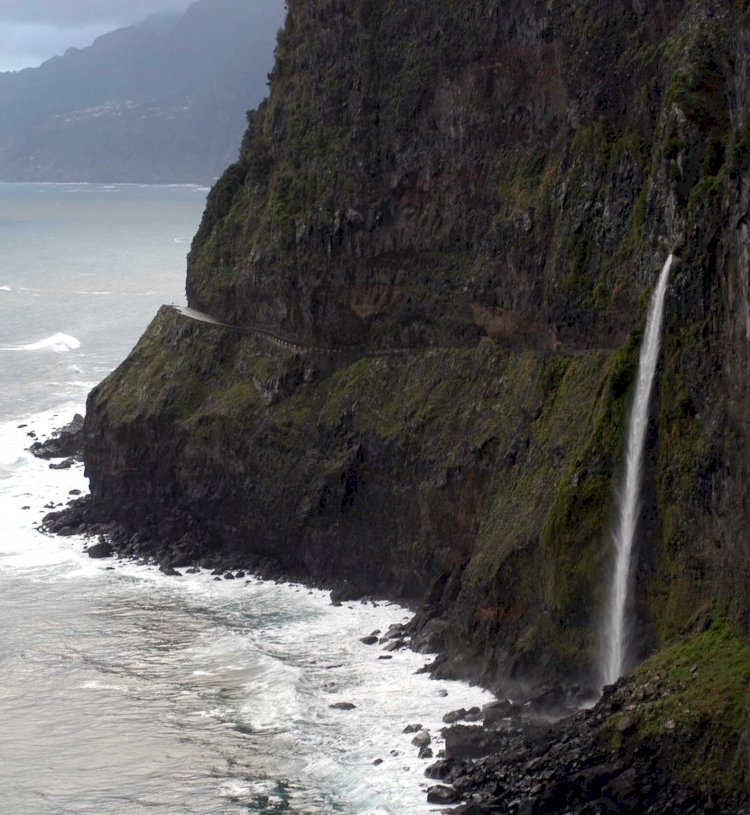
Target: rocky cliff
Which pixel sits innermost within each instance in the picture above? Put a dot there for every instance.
(486, 190)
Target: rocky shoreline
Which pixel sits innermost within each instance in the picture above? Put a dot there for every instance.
(572, 767)
(542, 755)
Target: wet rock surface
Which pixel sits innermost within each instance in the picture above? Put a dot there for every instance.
(100, 550)
(67, 443)
(570, 767)
(150, 542)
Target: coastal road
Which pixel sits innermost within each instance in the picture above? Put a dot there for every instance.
(285, 342)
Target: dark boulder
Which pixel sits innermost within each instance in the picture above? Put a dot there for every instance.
(474, 714)
(394, 632)
(497, 711)
(440, 794)
(63, 465)
(455, 716)
(100, 550)
(422, 739)
(465, 741)
(439, 770)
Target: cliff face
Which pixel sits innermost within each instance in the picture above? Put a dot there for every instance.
(491, 188)
(423, 173)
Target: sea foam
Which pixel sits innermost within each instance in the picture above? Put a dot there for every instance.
(247, 667)
(58, 343)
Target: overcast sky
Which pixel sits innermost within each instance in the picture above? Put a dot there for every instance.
(34, 30)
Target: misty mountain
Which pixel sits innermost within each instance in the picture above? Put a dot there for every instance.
(162, 101)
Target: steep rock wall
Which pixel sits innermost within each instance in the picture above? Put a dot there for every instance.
(493, 187)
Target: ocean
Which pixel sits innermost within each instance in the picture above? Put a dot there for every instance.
(126, 691)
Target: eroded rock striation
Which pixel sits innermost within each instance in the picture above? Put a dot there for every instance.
(491, 188)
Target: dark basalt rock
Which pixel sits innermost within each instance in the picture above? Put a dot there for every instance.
(67, 442)
(495, 712)
(472, 715)
(100, 550)
(422, 739)
(472, 809)
(442, 795)
(439, 770)
(394, 632)
(466, 741)
(455, 716)
(342, 706)
(63, 465)
(569, 768)
(343, 592)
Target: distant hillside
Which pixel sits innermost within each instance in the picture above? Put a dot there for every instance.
(162, 101)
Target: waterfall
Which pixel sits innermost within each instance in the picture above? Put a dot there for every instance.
(616, 628)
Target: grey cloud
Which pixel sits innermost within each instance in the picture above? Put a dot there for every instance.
(78, 13)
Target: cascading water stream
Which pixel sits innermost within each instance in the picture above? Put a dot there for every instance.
(616, 629)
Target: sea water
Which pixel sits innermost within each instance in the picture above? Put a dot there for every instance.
(125, 691)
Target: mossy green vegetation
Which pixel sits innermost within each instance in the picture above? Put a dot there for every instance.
(691, 703)
(577, 494)
(170, 379)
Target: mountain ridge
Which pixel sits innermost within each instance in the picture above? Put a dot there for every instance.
(163, 101)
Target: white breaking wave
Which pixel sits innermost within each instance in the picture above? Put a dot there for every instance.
(59, 343)
(5, 288)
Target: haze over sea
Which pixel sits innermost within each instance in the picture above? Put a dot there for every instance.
(125, 691)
